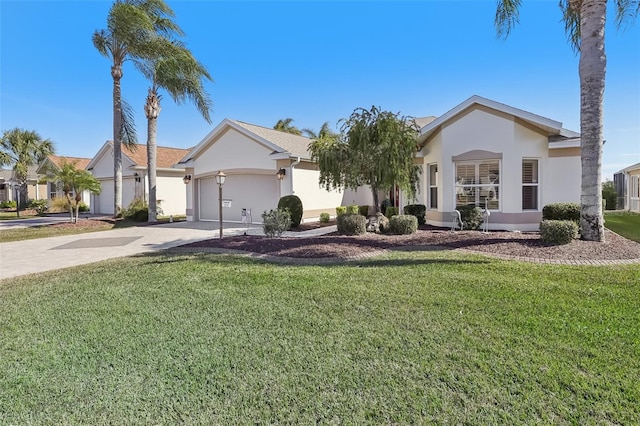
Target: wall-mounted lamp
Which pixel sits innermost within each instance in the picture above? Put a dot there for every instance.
(137, 177)
(186, 179)
(281, 174)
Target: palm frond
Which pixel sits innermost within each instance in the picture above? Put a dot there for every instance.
(507, 16)
(626, 12)
(128, 129)
(571, 19)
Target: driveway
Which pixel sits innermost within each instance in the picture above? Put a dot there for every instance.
(32, 221)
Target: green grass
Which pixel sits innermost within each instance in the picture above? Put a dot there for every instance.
(11, 215)
(626, 224)
(411, 338)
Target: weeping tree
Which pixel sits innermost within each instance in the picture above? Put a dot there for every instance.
(375, 148)
(170, 66)
(284, 125)
(21, 149)
(131, 24)
(584, 24)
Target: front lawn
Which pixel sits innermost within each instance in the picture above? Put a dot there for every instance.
(410, 338)
(626, 224)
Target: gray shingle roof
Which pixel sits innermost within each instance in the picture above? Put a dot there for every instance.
(287, 142)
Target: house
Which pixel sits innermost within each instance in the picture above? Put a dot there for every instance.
(261, 165)
(170, 192)
(627, 184)
(53, 163)
(36, 189)
(488, 154)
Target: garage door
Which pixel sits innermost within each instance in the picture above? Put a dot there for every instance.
(104, 201)
(255, 192)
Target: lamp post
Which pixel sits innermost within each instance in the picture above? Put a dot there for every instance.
(220, 177)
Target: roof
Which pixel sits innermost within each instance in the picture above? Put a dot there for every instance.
(80, 162)
(629, 169)
(7, 174)
(423, 121)
(551, 127)
(166, 157)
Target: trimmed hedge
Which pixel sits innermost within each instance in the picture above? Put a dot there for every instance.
(353, 209)
(363, 210)
(417, 210)
(471, 216)
(294, 205)
(340, 210)
(324, 217)
(391, 211)
(558, 231)
(352, 224)
(403, 224)
(561, 211)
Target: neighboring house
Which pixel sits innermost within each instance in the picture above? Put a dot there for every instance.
(53, 163)
(261, 165)
(170, 189)
(485, 153)
(35, 190)
(627, 183)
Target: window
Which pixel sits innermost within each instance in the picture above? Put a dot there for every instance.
(529, 184)
(53, 190)
(433, 186)
(478, 184)
(634, 186)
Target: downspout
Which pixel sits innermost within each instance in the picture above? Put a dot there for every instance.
(293, 165)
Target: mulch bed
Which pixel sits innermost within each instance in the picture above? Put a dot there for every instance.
(514, 244)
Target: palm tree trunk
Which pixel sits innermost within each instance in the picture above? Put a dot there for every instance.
(152, 111)
(116, 73)
(593, 63)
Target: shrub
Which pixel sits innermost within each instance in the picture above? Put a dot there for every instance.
(383, 206)
(138, 211)
(471, 216)
(378, 223)
(363, 210)
(561, 211)
(58, 204)
(40, 206)
(294, 205)
(403, 224)
(391, 211)
(417, 210)
(83, 207)
(275, 222)
(352, 224)
(340, 210)
(558, 231)
(324, 217)
(8, 204)
(353, 209)
(609, 195)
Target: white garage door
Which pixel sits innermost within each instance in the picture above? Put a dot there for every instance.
(255, 192)
(104, 201)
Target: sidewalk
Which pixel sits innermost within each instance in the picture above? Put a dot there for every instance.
(46, 254)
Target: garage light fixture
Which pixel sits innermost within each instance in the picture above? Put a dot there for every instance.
(281, 174)
(186, 179)
(136, 176)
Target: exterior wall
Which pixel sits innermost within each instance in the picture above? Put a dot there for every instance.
(512, 140)
(313, 196)
(231, 151)
(171, 190)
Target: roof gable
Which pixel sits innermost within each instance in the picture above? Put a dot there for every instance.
(56, 161)
(166, 157)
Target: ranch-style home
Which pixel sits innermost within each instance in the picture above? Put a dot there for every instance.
(170, 188)
(52, 164)
(36, 189)
(261, 165)
(488, 154)
(627, 183)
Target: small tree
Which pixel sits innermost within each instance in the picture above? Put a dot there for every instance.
(375, 148)
(73, 182)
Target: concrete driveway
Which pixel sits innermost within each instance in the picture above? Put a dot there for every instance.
(46, 254)
(32, 221)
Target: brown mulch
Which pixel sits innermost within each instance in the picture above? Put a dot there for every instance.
(513, 244)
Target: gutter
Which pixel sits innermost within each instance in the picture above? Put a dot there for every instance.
(293, 165)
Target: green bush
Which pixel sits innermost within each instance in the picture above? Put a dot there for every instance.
(353, 209)
(294, 205)
(275, 222)
(391, 211)
(352, 224)
(340, 210)
(471, 216)
(558, 231)
(363, 210)
(324, 217)
(8, 204)
(561, 211)
(417, 210)
(40, 206)
(83, 208)
(383, 206)
(403, 224)
(609, 195)
(138, 211)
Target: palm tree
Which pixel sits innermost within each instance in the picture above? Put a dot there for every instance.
(173, 68)
(284, 125)
(584, 23)
(324, 133)
(130, 25)
(23, 148)
(73, 182)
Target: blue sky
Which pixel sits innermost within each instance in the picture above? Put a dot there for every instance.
(313, 62)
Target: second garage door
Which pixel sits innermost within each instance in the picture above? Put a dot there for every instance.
(255, 192)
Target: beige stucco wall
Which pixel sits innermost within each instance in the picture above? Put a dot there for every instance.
(231, 151)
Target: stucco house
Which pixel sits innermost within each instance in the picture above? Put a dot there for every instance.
(261, 165)
(36, 189)
(54, 163)
(627, 183)
(170, 188)
(485, 153)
